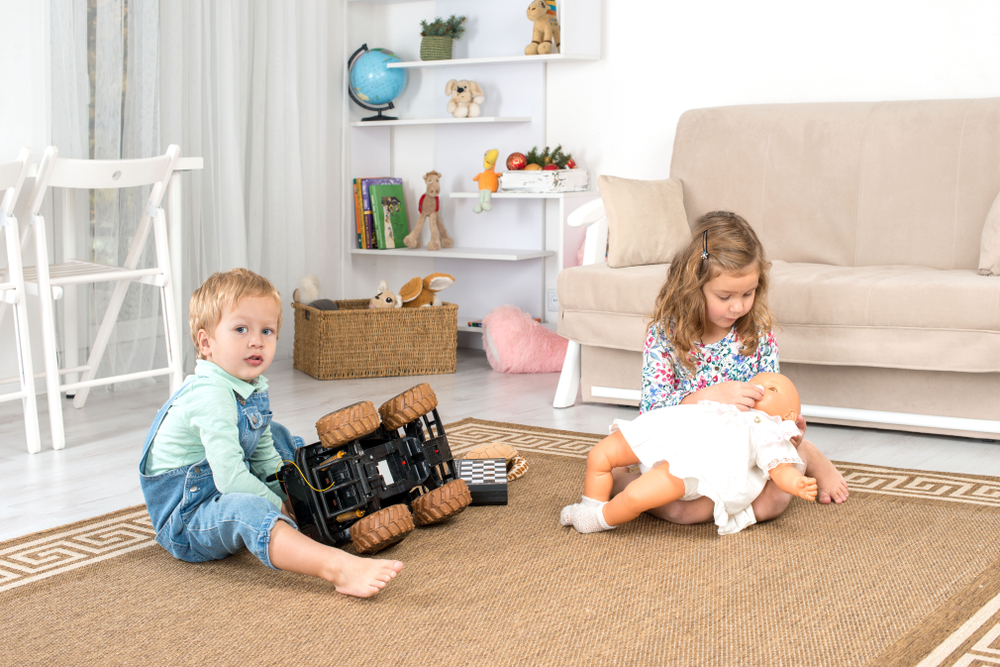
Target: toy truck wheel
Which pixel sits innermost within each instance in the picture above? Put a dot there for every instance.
(412, 404)
(442, 503)
(347, 424)
(381, 529)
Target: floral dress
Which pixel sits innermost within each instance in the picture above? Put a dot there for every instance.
(666, 381)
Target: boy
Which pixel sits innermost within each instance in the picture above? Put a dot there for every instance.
(213, 443)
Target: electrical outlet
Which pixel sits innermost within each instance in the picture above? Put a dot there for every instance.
(553, 301)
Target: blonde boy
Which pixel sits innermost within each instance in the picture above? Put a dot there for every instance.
(212, 445)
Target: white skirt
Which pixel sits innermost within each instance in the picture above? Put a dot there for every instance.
(717, 450)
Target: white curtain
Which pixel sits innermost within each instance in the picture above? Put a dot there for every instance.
(244, 84)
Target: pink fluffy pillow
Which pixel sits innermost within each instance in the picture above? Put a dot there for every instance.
(516, 343)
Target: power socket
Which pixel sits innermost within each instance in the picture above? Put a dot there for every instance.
(552, 302)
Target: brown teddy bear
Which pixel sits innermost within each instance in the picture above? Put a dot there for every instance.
(546, 30)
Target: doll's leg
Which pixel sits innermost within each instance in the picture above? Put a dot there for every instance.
(684, 512)
(612, 452)
(478, 208)
(487, 206)
(654, 488)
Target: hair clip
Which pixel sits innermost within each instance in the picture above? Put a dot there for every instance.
(704, 252)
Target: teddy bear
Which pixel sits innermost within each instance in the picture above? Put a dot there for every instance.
(466, 96)
(545, 30)
(418, 292)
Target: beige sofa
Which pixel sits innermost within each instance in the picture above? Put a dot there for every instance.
(882, 220)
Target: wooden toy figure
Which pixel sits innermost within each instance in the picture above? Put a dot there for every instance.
(488, 180)
(687, 451)
(430, 205)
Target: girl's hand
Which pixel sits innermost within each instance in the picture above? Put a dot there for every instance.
(741, 394)
(800, 421)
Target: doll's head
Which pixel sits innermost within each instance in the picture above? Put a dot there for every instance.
(781, 399)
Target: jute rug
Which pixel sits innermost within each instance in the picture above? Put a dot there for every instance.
(907, 572)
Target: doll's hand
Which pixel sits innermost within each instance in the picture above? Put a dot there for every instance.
(741, 394)
(800, 421)
(805, 488)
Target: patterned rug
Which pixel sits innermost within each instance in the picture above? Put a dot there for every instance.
(907, 572)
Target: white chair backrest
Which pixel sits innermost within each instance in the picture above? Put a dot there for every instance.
(58, 172)
(12, 176)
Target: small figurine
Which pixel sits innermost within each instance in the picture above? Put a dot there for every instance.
(430, 205)
(688, 451)
(545, 29)
(466, 96)
(488, 180)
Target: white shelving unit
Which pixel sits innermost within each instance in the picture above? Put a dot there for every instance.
(512, 254)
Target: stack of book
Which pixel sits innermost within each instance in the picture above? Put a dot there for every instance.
(380, 213)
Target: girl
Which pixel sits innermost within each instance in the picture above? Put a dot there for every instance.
(711, 333)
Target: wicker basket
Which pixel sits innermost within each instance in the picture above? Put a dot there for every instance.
(361, 342)
(433, 47)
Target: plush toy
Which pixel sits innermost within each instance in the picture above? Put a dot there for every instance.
(385, 298)
(418, 293)
(488, 180)
(545, 29)
(515, 463)
(430, 203)
(515, 343)
(466, 96)
(307, 292)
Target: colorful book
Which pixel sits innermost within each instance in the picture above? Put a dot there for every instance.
(389, 211)
(359, 212)
(369, 218)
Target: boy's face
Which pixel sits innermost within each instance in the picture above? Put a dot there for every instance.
(244, 340)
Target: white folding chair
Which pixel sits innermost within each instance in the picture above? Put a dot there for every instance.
(56, 172)
(12, 292)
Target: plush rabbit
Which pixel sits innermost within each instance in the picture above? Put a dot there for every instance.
(385, 298)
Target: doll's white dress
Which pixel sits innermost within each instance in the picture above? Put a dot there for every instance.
(717, 450)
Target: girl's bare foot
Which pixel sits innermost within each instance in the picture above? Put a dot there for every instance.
(832, 485)
(363, 577)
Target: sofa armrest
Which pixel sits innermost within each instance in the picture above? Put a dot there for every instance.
(591, 215)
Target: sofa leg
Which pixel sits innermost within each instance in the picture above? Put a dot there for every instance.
(569, 378)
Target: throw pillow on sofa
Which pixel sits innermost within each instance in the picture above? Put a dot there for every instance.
(646, 220)
(989, 246)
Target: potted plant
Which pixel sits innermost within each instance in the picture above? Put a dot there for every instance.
(438, 36)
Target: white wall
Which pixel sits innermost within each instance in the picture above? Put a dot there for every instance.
(662, 57)
(24, 55)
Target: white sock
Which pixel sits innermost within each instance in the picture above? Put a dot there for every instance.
(587, 516)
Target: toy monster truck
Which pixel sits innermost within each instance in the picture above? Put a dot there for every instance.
(360, 481)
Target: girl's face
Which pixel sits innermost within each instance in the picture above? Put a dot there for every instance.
(728, 297)
(244, 341)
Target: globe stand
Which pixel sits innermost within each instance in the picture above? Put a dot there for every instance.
(350, 92)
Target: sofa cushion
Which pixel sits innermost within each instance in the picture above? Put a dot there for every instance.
(882, 316)
(989, 245)
(646, 220)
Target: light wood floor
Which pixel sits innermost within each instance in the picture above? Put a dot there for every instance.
(97, 472)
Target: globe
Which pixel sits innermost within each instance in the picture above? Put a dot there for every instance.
(372, 83)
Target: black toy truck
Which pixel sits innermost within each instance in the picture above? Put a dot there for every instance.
(359, 483)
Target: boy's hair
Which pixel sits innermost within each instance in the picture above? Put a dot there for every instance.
(225, 290)
(731, 247)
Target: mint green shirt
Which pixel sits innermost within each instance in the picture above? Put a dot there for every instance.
(202, 423)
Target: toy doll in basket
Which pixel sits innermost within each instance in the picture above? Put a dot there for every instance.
(687, 451)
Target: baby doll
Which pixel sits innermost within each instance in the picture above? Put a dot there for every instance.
(686, 451)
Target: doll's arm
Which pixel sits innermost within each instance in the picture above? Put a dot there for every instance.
(787, 478)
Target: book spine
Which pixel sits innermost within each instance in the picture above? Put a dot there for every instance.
(358, 211)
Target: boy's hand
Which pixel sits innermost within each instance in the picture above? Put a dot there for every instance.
(741, 394)
(800, 421)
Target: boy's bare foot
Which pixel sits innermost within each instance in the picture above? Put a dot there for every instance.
(832, 485)
(363, 577)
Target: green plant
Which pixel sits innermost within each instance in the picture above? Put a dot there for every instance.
(452, 27)
(549, 156)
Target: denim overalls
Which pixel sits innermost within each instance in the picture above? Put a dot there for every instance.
(196, 523)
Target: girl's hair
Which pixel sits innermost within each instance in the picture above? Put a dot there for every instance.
(222, 291)
(722, 242)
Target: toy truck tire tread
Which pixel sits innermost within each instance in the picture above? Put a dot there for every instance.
(381, 529)
(442, 503)
(412, 404)
(347, 424)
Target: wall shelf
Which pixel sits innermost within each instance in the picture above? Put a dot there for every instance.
(443, 121)
(524, 195)
(496, 254)
(492, 60)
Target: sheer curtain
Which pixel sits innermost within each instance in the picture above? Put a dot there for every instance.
(244, 84)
